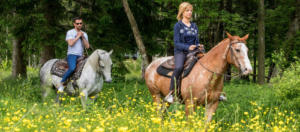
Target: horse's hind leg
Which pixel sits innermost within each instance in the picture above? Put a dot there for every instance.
(157, 100)
(46, 89)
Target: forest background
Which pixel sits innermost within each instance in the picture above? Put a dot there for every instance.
(33, 31)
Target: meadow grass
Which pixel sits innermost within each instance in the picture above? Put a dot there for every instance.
(127, 106)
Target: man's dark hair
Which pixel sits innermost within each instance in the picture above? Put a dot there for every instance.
(76, 18)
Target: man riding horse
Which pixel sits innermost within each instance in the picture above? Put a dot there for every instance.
(76, 39)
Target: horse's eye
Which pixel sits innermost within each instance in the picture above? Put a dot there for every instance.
(237, 50)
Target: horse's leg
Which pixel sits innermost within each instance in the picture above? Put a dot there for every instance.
(210, 108)
(189, 107)
(84, 98)
(45, 91)
(59, 96)
(157, 99)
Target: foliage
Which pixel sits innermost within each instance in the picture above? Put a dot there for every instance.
(106, 23)
(5, 64)
(134, 69)
(287, 87)
(280, 59)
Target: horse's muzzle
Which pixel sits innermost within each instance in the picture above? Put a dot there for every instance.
(246, 71)
(108, 81)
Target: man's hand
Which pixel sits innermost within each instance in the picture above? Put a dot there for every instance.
(192, 47)
(79, 34)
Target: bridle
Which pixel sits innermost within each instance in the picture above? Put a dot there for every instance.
(233, 57)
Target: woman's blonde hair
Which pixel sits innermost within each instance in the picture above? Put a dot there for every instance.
(182, 8)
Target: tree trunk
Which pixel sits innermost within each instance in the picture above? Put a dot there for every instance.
(228, 72)
(294, 25)
(254, 67)
(47, 53)
(271, 70)
(225, 5)
(137, 36)
(261, 42)
(18, 62)
(48, 47)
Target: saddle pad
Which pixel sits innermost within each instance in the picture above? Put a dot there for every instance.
(161, 70)
(61, 66)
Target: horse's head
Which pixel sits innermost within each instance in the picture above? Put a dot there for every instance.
(238, 53)
(105, 64)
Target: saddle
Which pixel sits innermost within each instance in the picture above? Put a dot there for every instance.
(61, 66)
(166, 68)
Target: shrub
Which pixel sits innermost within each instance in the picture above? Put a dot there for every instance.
(287, 87)
(134, 68)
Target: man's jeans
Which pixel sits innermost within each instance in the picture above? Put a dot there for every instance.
(72, 59)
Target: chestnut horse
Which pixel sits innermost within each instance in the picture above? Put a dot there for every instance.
(204, 84)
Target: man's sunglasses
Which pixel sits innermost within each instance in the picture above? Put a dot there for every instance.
(78, 23)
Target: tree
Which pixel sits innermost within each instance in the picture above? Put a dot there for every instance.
(51, 29)
(137, 36)
(261, 41)
(18, 61)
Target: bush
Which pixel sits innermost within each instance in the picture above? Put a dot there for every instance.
(134, 68)
(287, 87)
(5, 64)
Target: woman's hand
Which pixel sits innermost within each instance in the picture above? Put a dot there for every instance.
(192, 47)
(201, 46)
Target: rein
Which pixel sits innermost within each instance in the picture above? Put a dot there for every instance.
(232, 55)
(86, 52)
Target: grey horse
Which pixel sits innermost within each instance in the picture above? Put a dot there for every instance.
(90, 82)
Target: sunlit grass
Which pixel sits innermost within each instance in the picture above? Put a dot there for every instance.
(127, 106)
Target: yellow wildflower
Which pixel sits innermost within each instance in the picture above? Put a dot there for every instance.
(82, 129)
(123, 129)
(98, 130)
(82, 94)
(276, 129)
(156, 120)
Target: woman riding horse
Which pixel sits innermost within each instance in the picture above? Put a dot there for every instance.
(185, 39)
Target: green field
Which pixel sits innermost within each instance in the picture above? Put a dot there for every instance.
(127, 106)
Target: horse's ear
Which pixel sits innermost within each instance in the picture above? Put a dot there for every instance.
(110, 52)
(245, 37)
(229, 35)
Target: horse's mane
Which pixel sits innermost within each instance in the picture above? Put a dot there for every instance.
(93, 59)
(216, 49)
(220, 44)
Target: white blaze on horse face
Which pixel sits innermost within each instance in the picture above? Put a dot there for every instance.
(246, 67)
